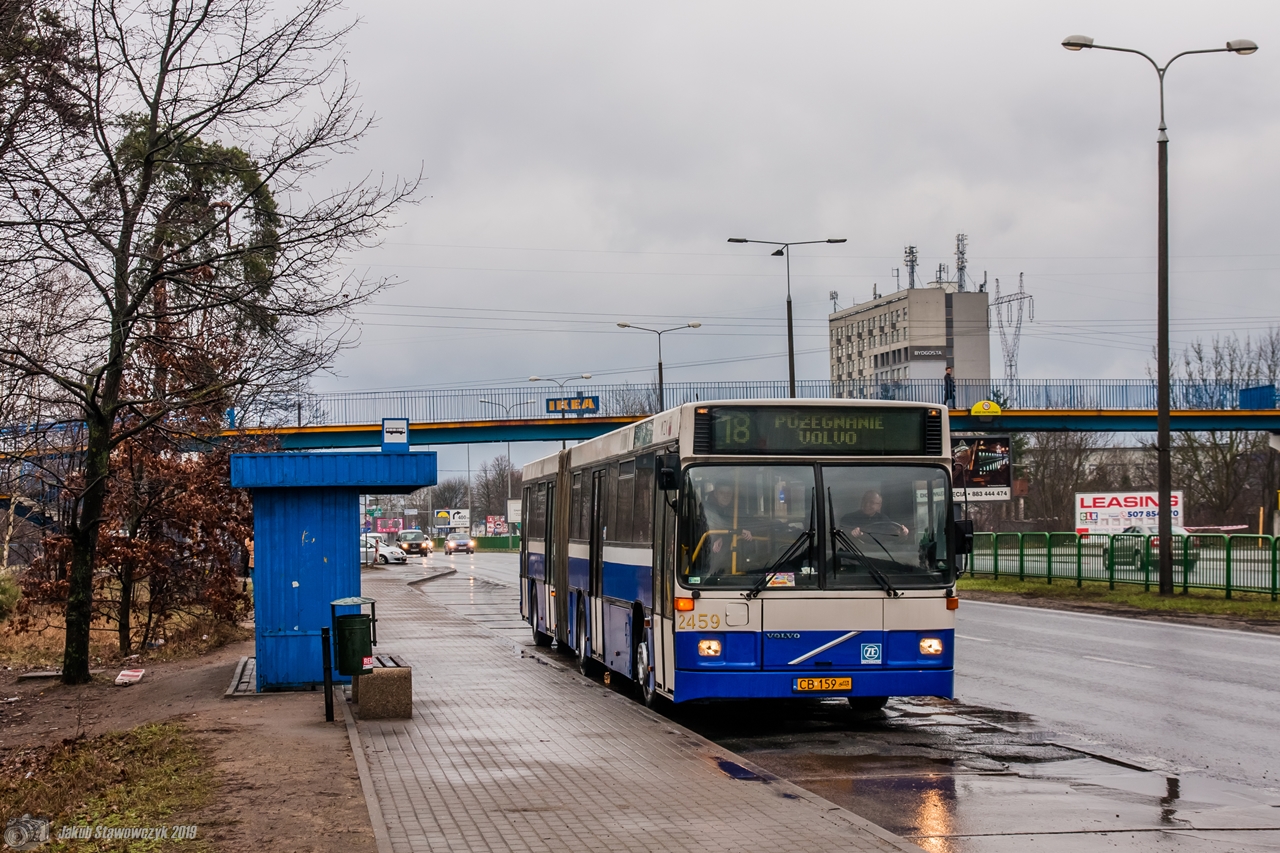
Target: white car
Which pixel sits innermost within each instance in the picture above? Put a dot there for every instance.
(374, 550)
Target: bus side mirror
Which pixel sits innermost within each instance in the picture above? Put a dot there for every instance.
(669, 472)
(964, 535)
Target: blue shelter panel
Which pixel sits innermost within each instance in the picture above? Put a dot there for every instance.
(306, 554)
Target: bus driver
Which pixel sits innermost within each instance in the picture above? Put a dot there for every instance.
(870, 514)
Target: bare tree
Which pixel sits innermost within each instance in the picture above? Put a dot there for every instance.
(495, 482)
(632, 400)
(181, 226)
(1227, 474)
(1057, 467)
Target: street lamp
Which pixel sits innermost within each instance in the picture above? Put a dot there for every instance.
(1164, 465)
(561, 383)
(660, 332)
(784, 250)
(507, 411)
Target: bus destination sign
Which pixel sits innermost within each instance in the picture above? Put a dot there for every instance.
(832, 430)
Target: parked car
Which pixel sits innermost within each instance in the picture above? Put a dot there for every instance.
(374, 549)
(456, 542)
(413, 542)
(1130, 546)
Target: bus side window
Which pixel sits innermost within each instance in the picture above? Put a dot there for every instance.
(625, 518)
(642, 527)
(576, 530)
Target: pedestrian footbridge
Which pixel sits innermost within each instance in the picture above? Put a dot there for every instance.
(526, 413)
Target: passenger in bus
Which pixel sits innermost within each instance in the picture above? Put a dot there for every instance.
(870, 514)
(720, 516)
(719, 549)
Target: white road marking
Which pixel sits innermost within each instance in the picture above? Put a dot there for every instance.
(975, 639)
(1121, 662)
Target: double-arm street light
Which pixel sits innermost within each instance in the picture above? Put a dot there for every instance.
(561, 383)
(784, 250)
(660, 332)
(506, 410)
(1164, 466)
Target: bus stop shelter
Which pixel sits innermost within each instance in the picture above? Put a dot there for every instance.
(306, 529)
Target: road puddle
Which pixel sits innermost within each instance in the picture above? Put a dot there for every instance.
(956, 778)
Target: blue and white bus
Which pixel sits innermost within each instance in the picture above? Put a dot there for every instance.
(748, 548)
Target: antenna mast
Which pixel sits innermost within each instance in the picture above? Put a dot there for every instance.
(1009, 340)
(909, 259)
(962, 243)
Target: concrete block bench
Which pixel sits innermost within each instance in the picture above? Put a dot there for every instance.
(386, 693)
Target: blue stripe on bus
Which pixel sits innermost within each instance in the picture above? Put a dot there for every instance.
(537, 566)
(727, 684)
(628, 582)
(579, 571)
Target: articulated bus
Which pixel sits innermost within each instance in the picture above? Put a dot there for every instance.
(751, 549)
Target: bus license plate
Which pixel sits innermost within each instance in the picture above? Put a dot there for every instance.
(821, 685)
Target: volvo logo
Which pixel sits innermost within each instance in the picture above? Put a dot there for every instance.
(782, 635)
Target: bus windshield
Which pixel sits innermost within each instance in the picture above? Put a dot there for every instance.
(744, 522)
(766, 527)
(886, 527)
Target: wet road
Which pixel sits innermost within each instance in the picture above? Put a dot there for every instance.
(1172, 697)
(1071, 732)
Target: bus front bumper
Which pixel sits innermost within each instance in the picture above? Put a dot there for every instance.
(691, 685)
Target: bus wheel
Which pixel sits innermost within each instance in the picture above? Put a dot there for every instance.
(586, 665)
(867, 704)
(641, 664)
(539, 638)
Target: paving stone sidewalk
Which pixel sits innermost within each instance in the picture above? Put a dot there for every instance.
(507, 752)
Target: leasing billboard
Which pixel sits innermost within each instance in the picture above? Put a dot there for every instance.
(1112, 512)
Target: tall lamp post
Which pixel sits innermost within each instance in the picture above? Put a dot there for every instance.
(1164, 464)
(662, 405)
(784, 250)
(506, 410)
(561, 383)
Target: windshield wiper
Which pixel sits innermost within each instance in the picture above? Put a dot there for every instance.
(884, 584)
(793, 550)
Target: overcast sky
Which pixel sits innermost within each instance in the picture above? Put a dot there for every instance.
(587, 161)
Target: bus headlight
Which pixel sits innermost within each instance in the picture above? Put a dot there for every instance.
(930, 646)
(709, 648)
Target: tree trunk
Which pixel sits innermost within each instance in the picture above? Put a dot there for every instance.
(84, 546)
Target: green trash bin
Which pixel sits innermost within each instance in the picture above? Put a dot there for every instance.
(355, 644)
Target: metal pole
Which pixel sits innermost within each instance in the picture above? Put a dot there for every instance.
(326, 659)
(791, 340)
(1164, 460)
(661, 398)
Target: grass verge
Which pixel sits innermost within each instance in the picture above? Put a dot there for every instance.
(145, 777)
(1196, 602)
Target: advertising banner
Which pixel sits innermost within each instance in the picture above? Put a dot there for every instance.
(390, 525)
(495, 525)
(514, 510)
(581, 405)
(458, 519)
(981, 468)
(1112, 512)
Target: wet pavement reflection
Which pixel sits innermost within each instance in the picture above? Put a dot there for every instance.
(956, 778)
(951, 777)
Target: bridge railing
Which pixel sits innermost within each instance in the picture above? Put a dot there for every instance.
(523, 401)
(1201, 561)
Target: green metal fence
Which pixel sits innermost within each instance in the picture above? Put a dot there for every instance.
(1205, 561)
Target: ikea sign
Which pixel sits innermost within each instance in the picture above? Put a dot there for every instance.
(580, 405)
